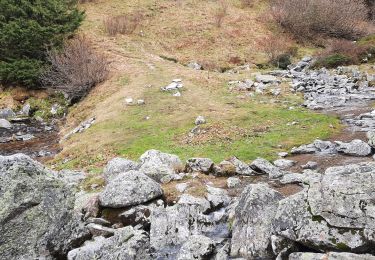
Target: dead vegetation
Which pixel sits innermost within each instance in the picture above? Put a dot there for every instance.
(123, 24)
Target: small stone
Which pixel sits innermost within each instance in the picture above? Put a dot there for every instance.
(282, 154)
(310, 165)
(140, 102)
(200, 120)
(233, 182)
(177, 94)
(181, 187)
(284, 163)
(5, 124)
(129, 101)
(203, 165)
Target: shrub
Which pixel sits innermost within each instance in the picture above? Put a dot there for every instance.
(221, 12)
(333, 61)
(26, 28)
(123, 24)
(76, 68)
(307, 18)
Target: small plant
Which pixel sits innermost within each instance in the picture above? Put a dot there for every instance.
(123, 24)
(76, 68)
(221, 12)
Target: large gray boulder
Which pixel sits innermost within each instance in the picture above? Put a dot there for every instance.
(334, 212)
(36, 214)
(197, 247)
(318, 146)
(263, 166)
(159, 165)
(355, 148)
(129, 189)
(116, 166)
(252, 227)
(127, 243)
(330, 256)
(5, 124)
(203, 165)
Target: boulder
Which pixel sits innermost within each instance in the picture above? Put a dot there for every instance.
(318, 146)
(36, 216)
(310, 165)
(263, 166)
(284, 163)
(129, 189)
(127, 243)
(334, 212)
(158, 165)
(197, 247)
(203, 165)
(200, 120)
(116, 166)
(330, 256)
(5, 124)
(25, 111)
(266, 79)
(252, 226)
(138, 215)
(355, 148)
(241, 167)
(217, 197)
(225, 168)
(233, 182)
(6, 113)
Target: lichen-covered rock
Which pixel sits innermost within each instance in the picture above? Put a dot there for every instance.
(233, 182)
(203, 165)
(127, 243)
(330, 256)
(252, 227)
(225, 168)
(129, 189)
(241, 167)
(356, 148)
(197, 247)
(158, 165)
(284, 163)
(217, 197)
(263, 166)
(117, 166)
(334, 212)
(36, 211)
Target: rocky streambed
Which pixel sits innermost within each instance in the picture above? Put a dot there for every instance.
(262, 210)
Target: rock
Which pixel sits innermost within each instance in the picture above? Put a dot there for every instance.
(282, 247)
(318, 146)
(356, 148)
(99, 221)
(25, 110)
(241, 167)
(25, 137)
(200, 120)
(129, 189)
(116, 166)
(55, 109)
(36, 217)
(263, 166)
(284, 163)
(371, 138)
(181, 187)
(129, 101)
(177, 94)
(5, 124)
(194, 65)
(330, 256)
(310, 165)
(91, 208)
(6, 113)
(233, 182)
(71, 177)
(157, 164)
(197, 247)
(175, 85)
(224, 168)
(138, 215)
(282, 154)
(127, 243)
(203, 165)
(334, 212)
(217, 197)
(99, 230)
(252, 226)
(81, 128)
(141, 102)
(292, 178)
(266, 79)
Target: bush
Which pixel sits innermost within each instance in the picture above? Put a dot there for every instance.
(123, 24)
(333, 61)
(221, 12)
(76, 68)
(26, 28)
(308, 18)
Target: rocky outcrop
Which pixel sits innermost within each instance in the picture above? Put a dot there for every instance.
(36, 215)
(252, 227)
(129, 189)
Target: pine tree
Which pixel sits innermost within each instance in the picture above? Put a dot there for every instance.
(27, 29)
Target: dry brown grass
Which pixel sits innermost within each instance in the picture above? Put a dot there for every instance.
(221, 12)
(123, 24)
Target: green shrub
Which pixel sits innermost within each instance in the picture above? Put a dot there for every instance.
(27, 29)
(282, 61)
(333, 61)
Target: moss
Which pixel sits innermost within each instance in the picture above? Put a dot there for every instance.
(317, 218)
(342, 247)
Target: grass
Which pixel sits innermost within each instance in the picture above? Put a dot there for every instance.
(244, 127)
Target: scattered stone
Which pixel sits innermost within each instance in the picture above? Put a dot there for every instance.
(5, 124)
(310, 165)
(356, 148)
(266, 79)
(283, 154)
(140, 102)
(263, 166)
(252, 227)
(371, 138)
(233, 182)
(217, 197)
(177, 94)
(25, 111)
(284, 163)
(200, 120)
(129, 101)
(175, 85)
(55, 109)
(225, 168)
(81, 128)
(137, 216)
(129, 189)
(318, 146)
(91, 208)
(25, 137)
(241, 167)
(194, 65)
(181, 187)
(203, 165)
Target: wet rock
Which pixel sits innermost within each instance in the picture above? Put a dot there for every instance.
(284, 163)
(356, 148)
(263, 166)
(127, 243)
(330, 256)
(6, 113)
(200, 120)
(117, 166)
(334, 212)
(241, 167)
(252, 227)
(37, 218)
(233, 182)
(157, 164)
(203, 165)
(129, 189)
(5, 124)
(197, 247)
